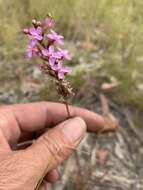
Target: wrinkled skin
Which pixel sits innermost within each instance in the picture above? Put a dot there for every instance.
(57, 137)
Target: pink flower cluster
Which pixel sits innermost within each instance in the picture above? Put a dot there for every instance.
(44, 43)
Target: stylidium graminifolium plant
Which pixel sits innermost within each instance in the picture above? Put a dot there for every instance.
(45, 43)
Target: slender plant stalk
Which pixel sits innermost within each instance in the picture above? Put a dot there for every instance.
(67, 108)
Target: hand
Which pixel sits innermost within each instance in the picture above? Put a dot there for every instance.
(22, 169)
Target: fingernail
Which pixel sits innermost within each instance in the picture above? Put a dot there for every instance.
(74, 129)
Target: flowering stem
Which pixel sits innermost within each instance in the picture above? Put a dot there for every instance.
(67, 108)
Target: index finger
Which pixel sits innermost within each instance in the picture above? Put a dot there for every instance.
(36, 116)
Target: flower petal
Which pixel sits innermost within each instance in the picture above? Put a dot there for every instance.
(33, 42)
(51, 61)
(66, 69)
(38, 37)
(49, 22)
(50, 36)
(39, 30)
(60, 41)
(29, 54)
(51, 49)
(45, 52)
(60, 65)
(61, 75)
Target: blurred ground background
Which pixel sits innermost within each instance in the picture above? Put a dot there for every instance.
(105, 38)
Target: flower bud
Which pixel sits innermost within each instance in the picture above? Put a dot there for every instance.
(38, 23)
(26, 31)
(34, 22)
(49, 22)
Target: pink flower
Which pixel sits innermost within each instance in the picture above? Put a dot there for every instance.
(56, 37)
(63, 53)
(50, 52)
(60, 69)
(31, 50)
(36, 33)
(52, 61)
(49, 22)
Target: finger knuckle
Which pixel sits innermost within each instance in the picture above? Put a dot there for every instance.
(54, 146)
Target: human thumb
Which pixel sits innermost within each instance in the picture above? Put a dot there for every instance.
(55, 145)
